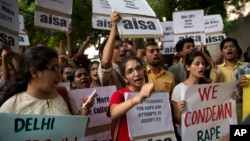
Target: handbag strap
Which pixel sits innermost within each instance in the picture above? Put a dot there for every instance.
(116, 129)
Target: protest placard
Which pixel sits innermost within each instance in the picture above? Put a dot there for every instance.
(134, 7)
(188, 21)
(101, 7)
(168, 31)
(139, 27)
(23, 37)
(151, 117)
(42, 127)
(9, 14)
(246, 99)
(213, 23)
(53, 14)
(10, 37)
(168, 48)
(101, 22)
(98, 111)
(212, 118)
(198, 37)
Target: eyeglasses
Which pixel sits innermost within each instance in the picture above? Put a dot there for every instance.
(132, 70)
(55, 69)
(120, 45)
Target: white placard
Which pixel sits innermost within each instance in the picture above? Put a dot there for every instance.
(21, 24)
(103, 136)
(99, 110)
(65, 84)
(168, 48)
(213, 23)
(11, 39)
(153, 112)
(137, 7)
(168, 31)
(167, 137)
(198, 38)
(9, 14)
(139, 27)
(50, 21)
(215, 38)
(24, 40)
(215, 113)
(63, 6)
(101, 7)
(101, 22)
(188, 21)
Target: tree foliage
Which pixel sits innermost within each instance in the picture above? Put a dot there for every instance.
(82, 15)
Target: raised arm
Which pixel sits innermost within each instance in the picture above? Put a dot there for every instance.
(84, 45)
(108, 50)
(69, 41)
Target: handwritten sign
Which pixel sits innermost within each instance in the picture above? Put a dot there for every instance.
(42, 127)
(168, 31)
(216, 111)
(100, 107)
(135, 7)
(50, 21)
(9, 14)
(101, 7)
(213, 23)
(188, 21)
(168, 48)
(139, 27)
(63, 6)
(151, 116)
(198, 37)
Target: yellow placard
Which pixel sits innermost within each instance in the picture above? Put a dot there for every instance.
(246, 99)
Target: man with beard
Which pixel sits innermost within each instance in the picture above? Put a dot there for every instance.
(229, 49)
(163, 80)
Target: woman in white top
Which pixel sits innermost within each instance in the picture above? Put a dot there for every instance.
(34, 89)
(195, 66)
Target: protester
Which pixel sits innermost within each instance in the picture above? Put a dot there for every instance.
(79, 78)
(132, 71)
(111, 56)
(95, 81)
(33, 91)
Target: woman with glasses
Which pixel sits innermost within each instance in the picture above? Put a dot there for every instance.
(34, 90)
(133, 73)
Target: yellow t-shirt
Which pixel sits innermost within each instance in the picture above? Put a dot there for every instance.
(227, 72)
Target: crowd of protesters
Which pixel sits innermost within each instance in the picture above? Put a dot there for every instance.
(29, 79)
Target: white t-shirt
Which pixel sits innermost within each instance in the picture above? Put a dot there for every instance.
(24, 103)
(178, 95)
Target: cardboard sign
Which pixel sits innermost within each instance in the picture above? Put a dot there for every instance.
(42, 127)
(101, 22)
(168, 31)
(101, 7)
(188, 21)
(100, 107)
(213, 23)
(135, 7)
(63, 6)
(24, 40)
(10, 38)
(139, 27)
(215, 38)
(168, 48)
(246, 98)
(212, 118)
(9, 14)
(50, 21)
(198, 38)
(152, 116)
